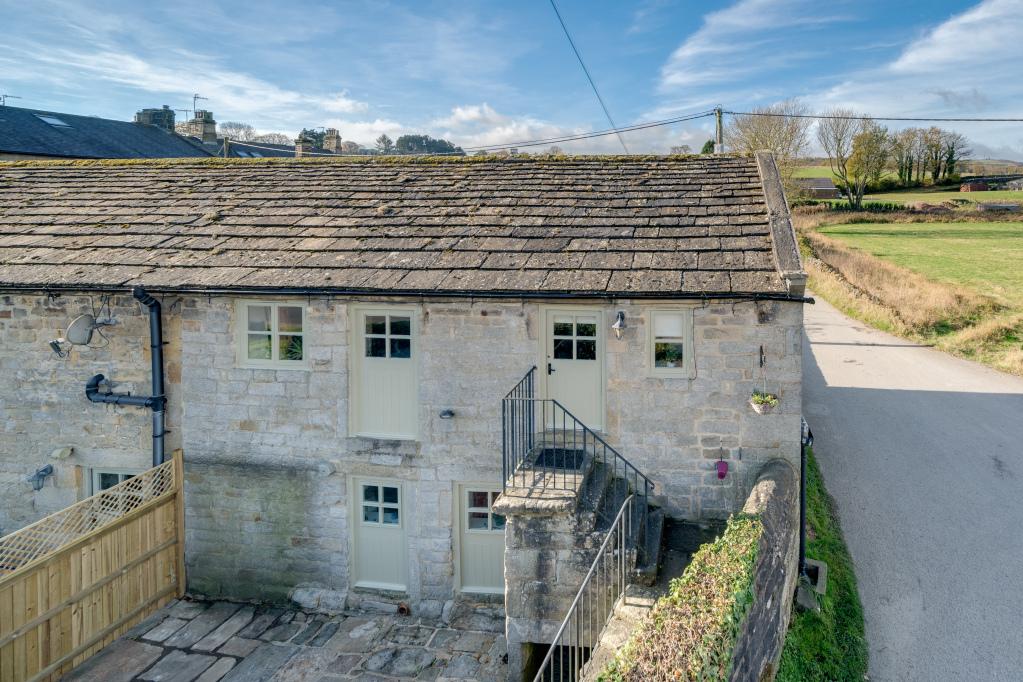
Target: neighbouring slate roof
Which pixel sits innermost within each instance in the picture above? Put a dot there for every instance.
(573, 225)
(23, 131)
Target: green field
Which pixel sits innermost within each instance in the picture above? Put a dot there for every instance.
(914, 196)
(812, 172)
(985, 257)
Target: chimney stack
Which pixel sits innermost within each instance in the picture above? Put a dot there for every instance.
(203, 126)
(303, 145)
(332, 141)
(161, 118)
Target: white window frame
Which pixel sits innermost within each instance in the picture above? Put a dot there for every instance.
(96, 472)
(242, 336)
(687, 368)
(492, 494)
(356, 352)
(380, 504)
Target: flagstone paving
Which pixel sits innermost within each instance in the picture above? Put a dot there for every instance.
(200, 641)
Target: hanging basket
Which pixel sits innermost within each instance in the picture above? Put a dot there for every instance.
(763, 403)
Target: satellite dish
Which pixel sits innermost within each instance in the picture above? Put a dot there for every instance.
(79, 332)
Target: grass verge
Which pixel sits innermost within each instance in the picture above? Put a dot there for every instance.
(955, 285)
(830, 645)
(691, 631)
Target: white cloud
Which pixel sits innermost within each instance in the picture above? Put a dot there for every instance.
(232, 94)
(739, 41)
(963, 67)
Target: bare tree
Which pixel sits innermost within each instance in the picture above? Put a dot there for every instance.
(350, 148)
(902, 146)
(555, 150)
(274, 138)
(956, 148)
(681, 149)
(870, 151)
(779, 128)
(934, 153)
(236, 130)
(843, 133)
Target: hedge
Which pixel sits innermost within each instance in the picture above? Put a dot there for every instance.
(691, 631)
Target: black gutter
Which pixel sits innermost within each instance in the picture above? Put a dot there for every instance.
(423, 293)
(157, 402)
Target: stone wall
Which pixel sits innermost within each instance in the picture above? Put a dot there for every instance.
(269, 453)
(43, 408)
(775, 498)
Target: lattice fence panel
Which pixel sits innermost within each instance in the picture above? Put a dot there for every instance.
(48, 535)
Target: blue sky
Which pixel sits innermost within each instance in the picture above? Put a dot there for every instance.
(496, 72)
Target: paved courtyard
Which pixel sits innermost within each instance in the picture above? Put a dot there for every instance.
(208, 641)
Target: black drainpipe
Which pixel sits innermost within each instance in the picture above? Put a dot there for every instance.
(157, 402)
(805, 441)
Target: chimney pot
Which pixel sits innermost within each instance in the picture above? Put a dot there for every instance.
(161, 118)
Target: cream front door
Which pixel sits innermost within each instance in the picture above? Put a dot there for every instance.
(380, 558)
(574, 364)
(481, 540)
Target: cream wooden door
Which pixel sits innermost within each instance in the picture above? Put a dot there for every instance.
(384, 402)
(575, 363)
(481, 540)
(380, 557)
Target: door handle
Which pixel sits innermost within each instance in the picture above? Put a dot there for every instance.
(550, 370)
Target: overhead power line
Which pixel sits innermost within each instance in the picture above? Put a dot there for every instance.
(878, 118)
(593, 85)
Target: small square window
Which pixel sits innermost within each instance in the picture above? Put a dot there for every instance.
(391, 516)
(479, 499)
(370, 514)
(273, 335)
(401, 348)
(479, 521)
(376, 347)
(376, 324)
(390, 495)
(401, 326)
(498, 521)
(370, 493)
(585, 350)
(588, 329)
(562, 349)
(562, 328)
(671, 343)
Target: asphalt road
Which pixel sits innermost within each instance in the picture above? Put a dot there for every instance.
(923, 454)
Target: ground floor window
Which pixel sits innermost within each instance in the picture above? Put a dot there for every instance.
(103, 479)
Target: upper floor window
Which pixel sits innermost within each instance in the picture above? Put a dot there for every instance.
(272, 335)
(671, 343)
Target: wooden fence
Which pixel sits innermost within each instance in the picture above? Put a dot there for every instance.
(74, 581)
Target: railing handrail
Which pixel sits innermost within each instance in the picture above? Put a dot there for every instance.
(596, 436)
(626, 505)
(523, 380)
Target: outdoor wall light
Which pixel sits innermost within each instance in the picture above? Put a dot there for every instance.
(39, 476)
(447, 414)
(619, 324)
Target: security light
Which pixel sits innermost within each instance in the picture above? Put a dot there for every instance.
(619, 324)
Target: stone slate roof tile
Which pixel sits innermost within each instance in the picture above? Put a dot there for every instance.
(24, 131)
(606, 226)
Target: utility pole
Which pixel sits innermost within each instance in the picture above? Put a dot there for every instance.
(4, 98)
(227, 144)
(719, 142)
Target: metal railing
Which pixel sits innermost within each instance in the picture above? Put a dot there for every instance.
(546, 446)
(601, 590)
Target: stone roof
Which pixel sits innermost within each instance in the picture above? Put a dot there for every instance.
(605, 226)
(26, 131)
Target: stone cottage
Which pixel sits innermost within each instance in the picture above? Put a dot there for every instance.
(338, 337)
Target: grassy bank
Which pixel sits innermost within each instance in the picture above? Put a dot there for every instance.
(830, 645)
(913, 196)
(954, 285)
